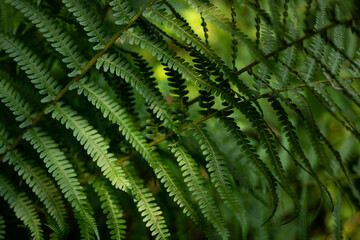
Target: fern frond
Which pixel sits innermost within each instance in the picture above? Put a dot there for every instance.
(86, 17)
(23, 207)
(123, 11)
(54, 159)
(213, 14)
(56, 232)
(337, 226)
(42, 186)
(303, 221)
(354, 70)
(275, 19)
(315, 53)
(178, 192)
(179, 95)
(117, 115)
(263, 72)
(327, 102)
(234, 42)
(59, 39)
(285, 15)
(195, 183)
(334, 64)
(85, 232)
(318, 138)
(335, 58)
(292, 138)
(313, 129)
(93, 143)
(114, 112)
(348, 91)
(179, 26)
(62, 171)
(32, 66)
(249, 151)
(20, 108)
(163, 113)
(125, 95)
(317, 48)
(261, 14)
(146, 205)
(111, 207)
(151, 95)
(205, 29)
(2, 227)
(289, 56)
(337, 157)
(219, 174)
(182, 29)
(269, 145)
(167, 56)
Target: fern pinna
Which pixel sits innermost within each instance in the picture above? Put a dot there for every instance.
(184, 119)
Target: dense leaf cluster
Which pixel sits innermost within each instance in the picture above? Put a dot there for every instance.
(125, 120)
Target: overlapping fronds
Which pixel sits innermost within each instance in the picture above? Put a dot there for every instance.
(218, 119)
(93, 142)
(32, 65)
(150, 211)
(54, 159)
(242, 140)
(63, 172)
(219, 174)
(112, 110)
(121, 68)
(23, 207)
(195, 183)
(53, 33)
(111, 207)
(36, 178)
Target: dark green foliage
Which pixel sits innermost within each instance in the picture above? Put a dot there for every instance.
(23, 207)
(130, 120)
